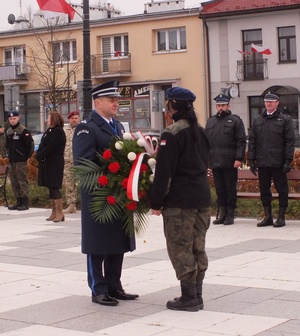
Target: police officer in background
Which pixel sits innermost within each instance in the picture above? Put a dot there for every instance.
(227, 139)
(104, 244)
(20, 146)
(69, 178)
(181, 193)
(271, 151)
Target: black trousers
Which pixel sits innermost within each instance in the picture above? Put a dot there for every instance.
(225, 182)
(265, 176)
(104, 272)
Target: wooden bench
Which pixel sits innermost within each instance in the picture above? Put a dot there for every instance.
(246, 175)
(3, 178)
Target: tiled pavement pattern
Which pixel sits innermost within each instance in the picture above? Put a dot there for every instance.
(252, 285)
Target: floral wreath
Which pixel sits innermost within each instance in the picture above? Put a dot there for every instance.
(120, 181)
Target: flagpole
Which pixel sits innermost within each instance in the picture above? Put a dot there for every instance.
(87, 82)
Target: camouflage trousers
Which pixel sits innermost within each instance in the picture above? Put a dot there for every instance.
(185, 232)
(18, 179)
(70, 185)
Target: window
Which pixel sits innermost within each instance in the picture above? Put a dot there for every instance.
(254, 66)
(171, 39)
(287, 44)
(66, 48)
(14, 55)
(115, 46)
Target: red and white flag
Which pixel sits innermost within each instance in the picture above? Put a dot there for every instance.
(260, 49)
(60, 6)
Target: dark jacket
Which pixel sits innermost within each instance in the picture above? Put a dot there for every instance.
(19, 143)
(181, 172)
(272, 140)
(50, 155)
(227, 139)
(90, 137)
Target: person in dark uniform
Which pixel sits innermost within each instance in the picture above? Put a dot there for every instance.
(103, 243)
(20, 146)
(50, 155)
(227, 139)
(271, 151)
(181, 193)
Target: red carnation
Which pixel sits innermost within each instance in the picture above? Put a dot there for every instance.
(141, 193)
(143, 168)
(103, 180)
(107, 154)
(111, 200)
(113, 167)
(131, 206)
(124, 183)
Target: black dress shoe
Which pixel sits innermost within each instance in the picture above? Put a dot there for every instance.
(104, 299)
(122, 295)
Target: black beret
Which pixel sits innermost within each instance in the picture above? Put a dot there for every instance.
(12, 114)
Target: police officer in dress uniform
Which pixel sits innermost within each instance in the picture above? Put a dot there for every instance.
(20, 146)
(104, 244)
(181, 193)
(227, 139)
(271, 151)
(69, 179)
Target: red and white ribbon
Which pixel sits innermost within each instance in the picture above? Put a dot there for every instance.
(133, 179)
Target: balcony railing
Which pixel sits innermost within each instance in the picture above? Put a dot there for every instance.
(112, 64)
(248, 70)
(14, 71)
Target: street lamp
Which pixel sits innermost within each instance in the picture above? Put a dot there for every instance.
(87, 82)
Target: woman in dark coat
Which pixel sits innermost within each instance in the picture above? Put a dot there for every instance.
(50, 155)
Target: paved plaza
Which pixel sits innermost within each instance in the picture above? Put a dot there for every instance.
(252, 285)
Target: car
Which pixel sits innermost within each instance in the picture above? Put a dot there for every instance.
(37, 140)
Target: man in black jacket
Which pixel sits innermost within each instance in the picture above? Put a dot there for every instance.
(271, 151)
(227, 139)
(20, 146)
(181, 194)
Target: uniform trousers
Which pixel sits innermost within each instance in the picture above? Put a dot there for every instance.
(265, 176)
(18, 179)
(185, 232)
(104, 273)
(225, 182)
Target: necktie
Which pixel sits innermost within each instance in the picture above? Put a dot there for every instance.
(111, 124)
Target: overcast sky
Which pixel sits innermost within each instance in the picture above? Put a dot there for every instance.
(18, 7)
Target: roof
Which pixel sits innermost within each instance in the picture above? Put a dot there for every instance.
(234, 7)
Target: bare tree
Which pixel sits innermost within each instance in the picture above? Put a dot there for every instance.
(47, 64)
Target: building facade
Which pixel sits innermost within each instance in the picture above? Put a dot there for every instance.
(147, 53)
(234, 33)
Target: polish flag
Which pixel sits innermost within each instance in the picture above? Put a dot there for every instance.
(260, 49)
(60, 6)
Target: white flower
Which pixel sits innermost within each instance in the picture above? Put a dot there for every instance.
(131, 156)
(151, 178)
(141, 142)
(119, 145)
(151, 162)
(127, 136)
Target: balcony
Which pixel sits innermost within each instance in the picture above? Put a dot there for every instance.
(249, 70)
(14, 71)
(116, 64)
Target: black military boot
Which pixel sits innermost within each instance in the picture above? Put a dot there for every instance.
(230, 216)
(281, 219)
(222, 217)
(23, 204)
(199, 293)
(268, 220)
(15, 207)
(188, 301)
